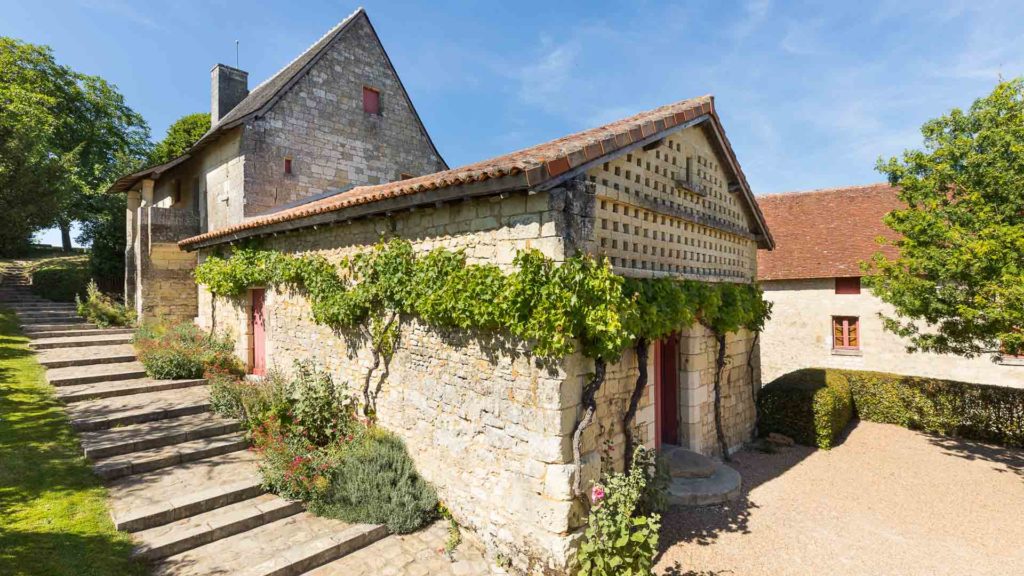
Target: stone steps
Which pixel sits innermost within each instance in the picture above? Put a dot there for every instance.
(70, 375)
(287, 547)
(723, 485)
(135, 437)
(104, 413)
(86, 356)
(35, 320)
(31, 330)
(79, 332)
(151, 499)
(164, 456)
(201, 529)
(37, 307)
(113, 389)
(80, 341)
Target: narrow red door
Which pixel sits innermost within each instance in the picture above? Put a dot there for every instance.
(667, 405)
(259, 341)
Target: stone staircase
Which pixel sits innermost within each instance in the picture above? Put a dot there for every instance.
(698, 480)
(179, 477)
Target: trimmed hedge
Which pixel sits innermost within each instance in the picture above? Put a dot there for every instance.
(993, 414)
(60, 279)
(811, 406)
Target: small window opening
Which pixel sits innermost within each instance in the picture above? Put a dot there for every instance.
(845, 333)
(287, 165)
(371, 100)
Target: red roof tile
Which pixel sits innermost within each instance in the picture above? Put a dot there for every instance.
(825, 233)
(539, 164)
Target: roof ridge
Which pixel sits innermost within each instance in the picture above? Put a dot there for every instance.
(333, 30)
(825, 190)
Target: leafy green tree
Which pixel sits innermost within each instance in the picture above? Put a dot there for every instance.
(181, 135)
(65, 135)
(958, 283)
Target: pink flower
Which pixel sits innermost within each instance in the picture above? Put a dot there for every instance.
(597, 493)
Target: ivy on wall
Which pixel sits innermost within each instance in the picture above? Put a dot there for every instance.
(557, 307)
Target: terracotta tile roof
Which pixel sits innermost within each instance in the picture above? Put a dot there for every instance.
(536, 165)
(825, 233)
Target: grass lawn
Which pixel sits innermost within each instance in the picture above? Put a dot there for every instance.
(53, 516)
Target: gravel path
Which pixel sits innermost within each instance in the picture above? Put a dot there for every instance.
(886, 501)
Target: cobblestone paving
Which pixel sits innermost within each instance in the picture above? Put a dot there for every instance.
(417, 554)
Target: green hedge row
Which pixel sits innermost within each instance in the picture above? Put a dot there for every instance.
(809, 406)
(61, 279)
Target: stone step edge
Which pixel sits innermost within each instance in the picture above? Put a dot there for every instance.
(137, 417)
(218, 528)
(126, 374)
(93, 361)
(148, 460)
(69, 394)
(123, 339)
(187, 505)
(76, 332)
(309, 555)
(156, 439)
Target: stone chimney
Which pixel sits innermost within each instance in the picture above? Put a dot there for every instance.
(228, 87)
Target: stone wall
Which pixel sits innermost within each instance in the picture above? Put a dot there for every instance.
(320, 125)
(799, 335)
(486, 423)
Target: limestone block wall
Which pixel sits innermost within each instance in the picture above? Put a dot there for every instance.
(699, 351)
(320, 125)
(799, 335)
(486, 423)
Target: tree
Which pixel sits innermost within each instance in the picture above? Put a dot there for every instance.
(181, 135)
(65, 135)
(958, 283)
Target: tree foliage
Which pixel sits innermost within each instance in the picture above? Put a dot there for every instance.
(958, 283)
(181, 135)
(64, 135)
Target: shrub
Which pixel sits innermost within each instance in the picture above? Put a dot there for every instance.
(60, 279)
(974, 411)
(290, 466)
(250, 401)
(320, 412)
(812, 406)
(620, 537)
(376, 482)
(101, 310)
(184, 351)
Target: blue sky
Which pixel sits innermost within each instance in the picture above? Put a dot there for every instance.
(811, 94)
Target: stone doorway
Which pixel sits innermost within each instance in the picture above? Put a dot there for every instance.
(666, 403)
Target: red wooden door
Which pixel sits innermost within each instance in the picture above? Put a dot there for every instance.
(259, 333)
(667, 390)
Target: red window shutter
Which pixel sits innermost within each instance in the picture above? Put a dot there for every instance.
(845, 332)
(371, 101)
(287, 165)
(850, 285)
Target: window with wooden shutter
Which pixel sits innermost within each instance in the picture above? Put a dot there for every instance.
(371, 100)
(845, 333)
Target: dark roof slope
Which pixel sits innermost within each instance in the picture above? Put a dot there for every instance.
(264, 96)
(826, 233)
(537, 166)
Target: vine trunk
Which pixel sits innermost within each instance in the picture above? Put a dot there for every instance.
(634, 401)
(589, 406)
(719, 368)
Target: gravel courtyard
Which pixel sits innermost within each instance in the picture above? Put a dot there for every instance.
(885, 501)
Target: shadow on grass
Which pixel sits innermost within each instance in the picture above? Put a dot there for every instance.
(1007, 459)
(676, 569)
(62, 553)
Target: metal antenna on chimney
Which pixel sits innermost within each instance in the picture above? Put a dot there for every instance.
(236, 53)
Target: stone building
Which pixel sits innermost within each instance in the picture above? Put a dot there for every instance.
(822, 316)
(334, 118)
(660, 193)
